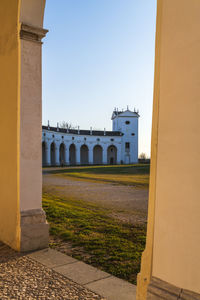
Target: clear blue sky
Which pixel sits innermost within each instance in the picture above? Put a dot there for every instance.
(98, 55)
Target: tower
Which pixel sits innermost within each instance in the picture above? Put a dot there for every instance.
(127, 123)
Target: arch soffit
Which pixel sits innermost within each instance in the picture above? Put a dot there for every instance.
(99, 146)
(52, 143)
(72, 145)
(84, 146)
(32, 12)
(62, 144)
(112, 146)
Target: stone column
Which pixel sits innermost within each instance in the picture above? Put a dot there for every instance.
(34, 230)
(48, 154)
(90, 155)
(119, 154)
(78, 155)
(105, 160)
(66, 155)
(57, 154)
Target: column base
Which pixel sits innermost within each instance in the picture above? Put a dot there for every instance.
(34, 230)
(161, 290)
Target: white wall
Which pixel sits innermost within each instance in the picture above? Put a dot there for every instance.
(119, 124)
(79, 140)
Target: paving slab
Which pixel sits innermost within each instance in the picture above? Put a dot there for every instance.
(51, 258)
(113, 288)
(81, 273)
(97, 281)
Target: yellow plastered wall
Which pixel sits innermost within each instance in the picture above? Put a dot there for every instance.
(9, 122)
(145, 274)
(172, 252)
(176, 247)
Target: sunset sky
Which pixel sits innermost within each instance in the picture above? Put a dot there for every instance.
(98, 55)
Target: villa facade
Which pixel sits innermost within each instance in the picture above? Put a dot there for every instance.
(62, 147)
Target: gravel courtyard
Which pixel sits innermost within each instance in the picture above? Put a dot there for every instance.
(128, 204)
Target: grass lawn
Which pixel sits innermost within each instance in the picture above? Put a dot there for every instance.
(132, 175)
(94, 236)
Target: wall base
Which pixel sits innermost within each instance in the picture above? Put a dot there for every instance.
(161, 290)
(34, 230)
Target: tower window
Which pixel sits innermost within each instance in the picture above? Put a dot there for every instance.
(98, 140)
(112, 140)
(133, 134)
(72, 138)
(127, 122)
(127, 146)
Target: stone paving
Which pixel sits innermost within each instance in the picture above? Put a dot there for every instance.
(49, 274)
(23, 278)
(102, 283)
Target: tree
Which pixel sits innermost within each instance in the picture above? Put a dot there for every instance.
(66, 125)
(143, 155)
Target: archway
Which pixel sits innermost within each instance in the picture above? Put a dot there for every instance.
(84, 155)
(53, 154)
(43, 154)
(112, 155)
(175, 44)
(62, 154)
(98, 155)
(72, 154)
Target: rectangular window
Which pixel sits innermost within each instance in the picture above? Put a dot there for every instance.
(127, 146)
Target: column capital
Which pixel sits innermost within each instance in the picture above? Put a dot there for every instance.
(31, 33)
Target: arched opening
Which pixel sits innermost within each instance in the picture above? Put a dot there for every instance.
(62, 154)
(112, 155)
(43, 154)
(53, 154)
(98, 155)
(72, 154)
(84, 155)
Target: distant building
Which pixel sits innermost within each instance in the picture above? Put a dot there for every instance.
(92, 147)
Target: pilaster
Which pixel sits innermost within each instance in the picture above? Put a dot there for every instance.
(78, 155)
(48, 154)
(66, 155)
(105, 155)
(57, 155)
(34, 228)
(90, 155)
